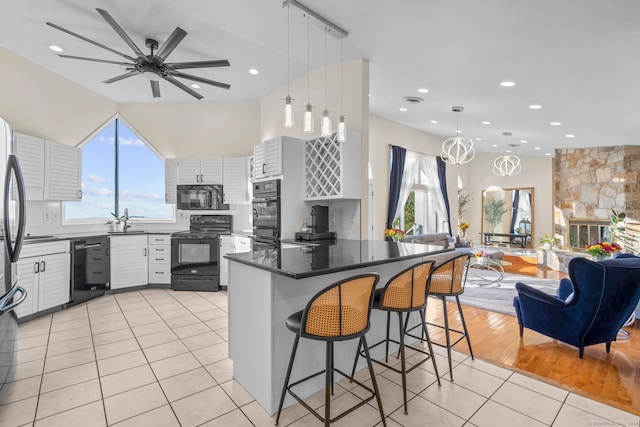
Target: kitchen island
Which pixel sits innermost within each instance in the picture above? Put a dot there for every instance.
(266, 286)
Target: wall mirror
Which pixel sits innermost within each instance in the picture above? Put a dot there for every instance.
(507, 216)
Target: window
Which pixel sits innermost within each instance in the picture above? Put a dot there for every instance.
(119, 170)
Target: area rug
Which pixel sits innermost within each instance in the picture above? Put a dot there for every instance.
(499, 296)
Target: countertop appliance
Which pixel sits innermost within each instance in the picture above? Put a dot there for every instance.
(319, 226)
(200, 197)
(13, 228)
(194, 253)
(90, 274)
(266, 214)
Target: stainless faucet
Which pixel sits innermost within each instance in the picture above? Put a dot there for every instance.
(125, 218)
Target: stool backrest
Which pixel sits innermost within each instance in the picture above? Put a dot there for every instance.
(408, 289)
(449, 278)
(341, 310)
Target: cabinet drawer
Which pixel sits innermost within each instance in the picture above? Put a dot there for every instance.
(159, 259)
(159, 240)
(46, 248)
(97, 274)
(99, 258)
(159, 250)
(97, 250)
(159, 275)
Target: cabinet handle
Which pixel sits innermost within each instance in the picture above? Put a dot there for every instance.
(263, 166)
(160, 249)
(145, 251)
(42, 266)
(80, 194)
(36, 267)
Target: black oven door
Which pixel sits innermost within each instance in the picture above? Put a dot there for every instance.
(194, 256)
(266, 212)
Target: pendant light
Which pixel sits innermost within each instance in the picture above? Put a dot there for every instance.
(308, 108)
(508, 164)
(325, 129)
(288, 104)
(342, 122)
(459, 149)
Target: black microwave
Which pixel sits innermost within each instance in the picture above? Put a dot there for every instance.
(200, 197)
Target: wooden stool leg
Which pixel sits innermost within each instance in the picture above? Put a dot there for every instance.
(287, 376)
(363, 340)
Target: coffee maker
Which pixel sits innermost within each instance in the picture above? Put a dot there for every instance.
(319, 225)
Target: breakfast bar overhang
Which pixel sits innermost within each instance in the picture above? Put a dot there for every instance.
(266, 286)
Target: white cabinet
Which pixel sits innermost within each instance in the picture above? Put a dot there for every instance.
(160, 259)
(43, 270)
(267, 158)
(241, 244)
(170, 180)
(235, 182)
(332, 168)
(30, 153)
(200, 171)
(129, 266)
(63, 169)
(226, 247)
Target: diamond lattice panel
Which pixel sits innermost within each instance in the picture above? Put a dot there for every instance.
(323, 168)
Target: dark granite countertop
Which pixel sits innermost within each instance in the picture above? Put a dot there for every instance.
(307, 261)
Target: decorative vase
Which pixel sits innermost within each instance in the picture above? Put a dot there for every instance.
(481, 260)
(546, 246)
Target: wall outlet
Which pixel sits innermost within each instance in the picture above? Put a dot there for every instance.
(46, 216)
(54, 215)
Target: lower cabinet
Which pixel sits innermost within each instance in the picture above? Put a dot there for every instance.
(129, 265)
(44, 271)
(226, 247)
(160, 259)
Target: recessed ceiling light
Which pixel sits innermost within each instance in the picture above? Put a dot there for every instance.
(423, 90)
(535, 106)
(547, 154)
(254, 72)
(569, 135)
(403, 109)
(507, 84)
(478, 139)
(555, 123)
(56, 48)
(195, 86)
(536, 148)
(524, 141)
(435, 122)
(494, 145)
(508, 151)
(486, 123)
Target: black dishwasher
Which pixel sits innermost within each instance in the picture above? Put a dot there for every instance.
(89, 268)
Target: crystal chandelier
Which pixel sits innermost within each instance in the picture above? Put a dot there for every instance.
(508, 164)
(459, 149)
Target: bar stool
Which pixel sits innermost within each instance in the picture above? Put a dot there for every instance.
(339, 312)
(405, 292)
(448, 280)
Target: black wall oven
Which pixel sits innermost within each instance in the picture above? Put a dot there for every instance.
(266, 213)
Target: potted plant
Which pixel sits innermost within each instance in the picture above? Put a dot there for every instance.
(115, 222)
(547, 241)
(494, 211)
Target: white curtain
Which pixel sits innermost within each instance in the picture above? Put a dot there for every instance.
(408, 177)
(429, 167)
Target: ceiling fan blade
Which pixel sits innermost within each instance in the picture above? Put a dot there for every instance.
(57, 27)
(120, 31)
(155, 88)
(122, 77)
(172, 42)
(197, 64)
(95, 60)
(182, 86)
(199, 79)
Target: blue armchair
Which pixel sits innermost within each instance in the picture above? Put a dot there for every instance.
(589, 308)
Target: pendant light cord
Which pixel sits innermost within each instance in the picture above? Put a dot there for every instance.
(288, 50)
(308, 70)
(325, 69)
(341, 96)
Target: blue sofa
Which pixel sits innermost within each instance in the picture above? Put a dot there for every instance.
(589, 308)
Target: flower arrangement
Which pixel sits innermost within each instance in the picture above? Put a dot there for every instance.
(481, 254)
(601, 249)
(463, 226)
(394, 234)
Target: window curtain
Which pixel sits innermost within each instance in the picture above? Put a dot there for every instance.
(515, 206)
(408, 177)
(398, 155)
(442, 179)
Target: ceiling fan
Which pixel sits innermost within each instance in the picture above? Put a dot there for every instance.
(152, 66)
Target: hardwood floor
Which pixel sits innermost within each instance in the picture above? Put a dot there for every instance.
(612, 378)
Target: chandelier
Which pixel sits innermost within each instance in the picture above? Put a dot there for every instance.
(507, 165)
(459, 149)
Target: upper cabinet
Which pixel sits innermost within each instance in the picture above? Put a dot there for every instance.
(200, 171)
(170, 180)
(51, 171)
(235, 174)
(332, 168)
(267, 159)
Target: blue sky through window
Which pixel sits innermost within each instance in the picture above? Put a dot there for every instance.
(141, 177)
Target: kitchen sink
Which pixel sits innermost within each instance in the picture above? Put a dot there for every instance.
(36, 237)
(126, 232)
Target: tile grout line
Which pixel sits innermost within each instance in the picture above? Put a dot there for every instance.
(35, 413)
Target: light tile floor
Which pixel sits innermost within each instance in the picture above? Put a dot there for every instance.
(159, 358)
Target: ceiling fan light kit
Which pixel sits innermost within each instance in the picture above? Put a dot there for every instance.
(507, 165)
(459, 149)
(151, 67)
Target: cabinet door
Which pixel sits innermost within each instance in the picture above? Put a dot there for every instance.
(63, 172)
(273, 157)
(28, 278)
(241, 244)
(170, 180)
(259, 166)
(236, 181)
(128, 261)
(189, 171)
(211, 170)
(30, 152)
(54, 282)
(226, 247)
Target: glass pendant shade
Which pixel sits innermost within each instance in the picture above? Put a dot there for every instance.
(458, 150)
(308, 118)
(288, 112)
(342, 129)
(325, 129)
(507, 165)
